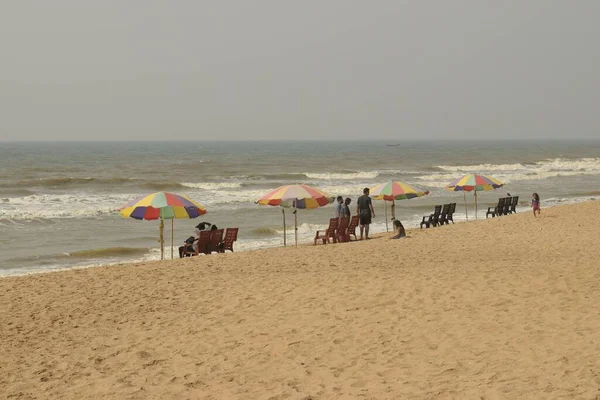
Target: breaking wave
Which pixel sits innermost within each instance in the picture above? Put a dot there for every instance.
(540, 170)
(213, 185)
(332, 176)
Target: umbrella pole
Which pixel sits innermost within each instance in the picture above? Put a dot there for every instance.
(171, 239)
(393, 209)
(475, 194)
(284, 230)
(162, 239)
(466, 213)
(386, 222)
(295, 224)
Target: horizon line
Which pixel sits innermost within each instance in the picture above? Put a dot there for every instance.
(390, 141)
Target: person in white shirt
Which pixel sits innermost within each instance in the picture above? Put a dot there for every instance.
(338, 207)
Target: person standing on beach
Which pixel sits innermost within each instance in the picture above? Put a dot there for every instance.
(346, 208)
(364, 209)
(337, 213)
(535, 204)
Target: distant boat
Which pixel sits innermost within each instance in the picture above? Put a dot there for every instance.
(392, 145)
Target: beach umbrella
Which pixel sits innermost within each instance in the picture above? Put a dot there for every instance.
(162, 205)
(298, 197)
(392, 191)
(474, 183)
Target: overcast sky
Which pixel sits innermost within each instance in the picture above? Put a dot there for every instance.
(160, 70)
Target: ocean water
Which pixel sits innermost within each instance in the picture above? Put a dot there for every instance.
(58, 201)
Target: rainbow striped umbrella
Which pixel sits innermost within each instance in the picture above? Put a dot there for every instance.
(474, 183)
(394, 190)
(162, 205)
(297, 196)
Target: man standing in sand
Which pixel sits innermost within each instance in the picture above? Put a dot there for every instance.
(364, 209)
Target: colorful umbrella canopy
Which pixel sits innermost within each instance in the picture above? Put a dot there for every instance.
(474, 183)
(394, 190)
(297, 196)
(163, 205)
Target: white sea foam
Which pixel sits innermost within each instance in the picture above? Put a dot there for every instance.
(482, 167)
(75, 205)
(351, 190)
(331, 176)
(506, 173)
(212, 185)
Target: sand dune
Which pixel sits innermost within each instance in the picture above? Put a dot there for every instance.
(506, 308)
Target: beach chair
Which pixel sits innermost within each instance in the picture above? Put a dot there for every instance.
(443, 218)
(201, 244)
(513, 205)
(496, 210)
(342, 230)
(507, 203)
(216, 237)
(352, 227)
(450, 215)
(324, 235)
(230, 237)
(431, 219)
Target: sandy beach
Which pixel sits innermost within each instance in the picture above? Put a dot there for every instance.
(505, 308)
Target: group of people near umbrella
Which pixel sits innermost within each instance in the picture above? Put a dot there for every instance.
(164, 205)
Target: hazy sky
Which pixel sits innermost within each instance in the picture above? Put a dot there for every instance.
(421, 69)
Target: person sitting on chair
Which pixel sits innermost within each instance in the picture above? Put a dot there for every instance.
(190, 245)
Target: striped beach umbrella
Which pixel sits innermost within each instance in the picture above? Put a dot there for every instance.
(162, 205)
(392, 191)
(474, 183)
(298, 197)
(395, 190)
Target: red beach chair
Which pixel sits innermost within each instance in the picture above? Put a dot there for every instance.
(202, 242)
(352, 227)
(230, 237)
(342, 230)
(216, 237)
(324, 235)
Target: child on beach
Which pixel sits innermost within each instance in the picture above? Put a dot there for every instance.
(399, 229)
(535, 204)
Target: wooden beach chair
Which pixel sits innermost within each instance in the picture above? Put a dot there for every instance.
(230, 237)
(342, 230)
(352, 227)
(216, 237)
(496, 210)
(431, 219)
(324, 235)
(513, 205)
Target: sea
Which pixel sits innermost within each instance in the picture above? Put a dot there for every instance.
(59, 200)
